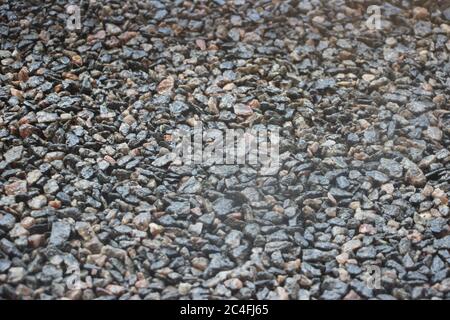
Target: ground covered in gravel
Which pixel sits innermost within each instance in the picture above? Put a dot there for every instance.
(87, 188)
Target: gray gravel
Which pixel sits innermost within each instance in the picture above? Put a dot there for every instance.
(94, 206)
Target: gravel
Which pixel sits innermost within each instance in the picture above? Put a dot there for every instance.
(89, 185)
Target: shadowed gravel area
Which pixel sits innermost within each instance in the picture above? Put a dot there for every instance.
(93, 207)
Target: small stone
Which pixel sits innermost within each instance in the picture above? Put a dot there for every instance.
(339, 193)
(4, 265)
(129, 119)
(13, 154)
(112, 29)
(27, 222)
(190, 185)
(111, 251)
(314, 255)
(388, 188)
(60, 233)
(415, 177)
(443, 243)
(419, 106)
(351, 245)
(352, 295)
(233, 284)
(142, 221)
(141, 284)
(55, 155)
(223, 206)
(178, 107)
(420, 13)
(33, 176)
(51, 187)
(16, 275)
(165, 159)
(155, 229)
(342, 258)
(115, 290)
(201, 44)
(45, 117)
(200, 263)
(326, 83)
(333, 289)
(378, 176)
(391, 167)
(368, 77)
(7, 221)
(303, 294)
(196, 228)
(184, 288)
(241, 109)
(23, 74)
(26, 130)
(279, 294)
(84, 229)
(440, 194)
(434, 133)
(366, 253)
(233, 239)
(166, 85)
(179, 207)
(18, 231)
(55, 204)
(77, 60)
(17, 93)
(36, 240)
(212, 105)
(15, 188)
(367, 229)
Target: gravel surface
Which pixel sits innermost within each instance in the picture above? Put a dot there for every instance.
(92, 206)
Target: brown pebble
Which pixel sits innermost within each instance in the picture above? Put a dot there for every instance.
(166, 85)
(77, 60)
(201, 44)
(16, 187)
(36, 240)
(420, 13)
(23, 74)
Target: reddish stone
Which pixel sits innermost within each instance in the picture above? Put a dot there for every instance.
(26, 130)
